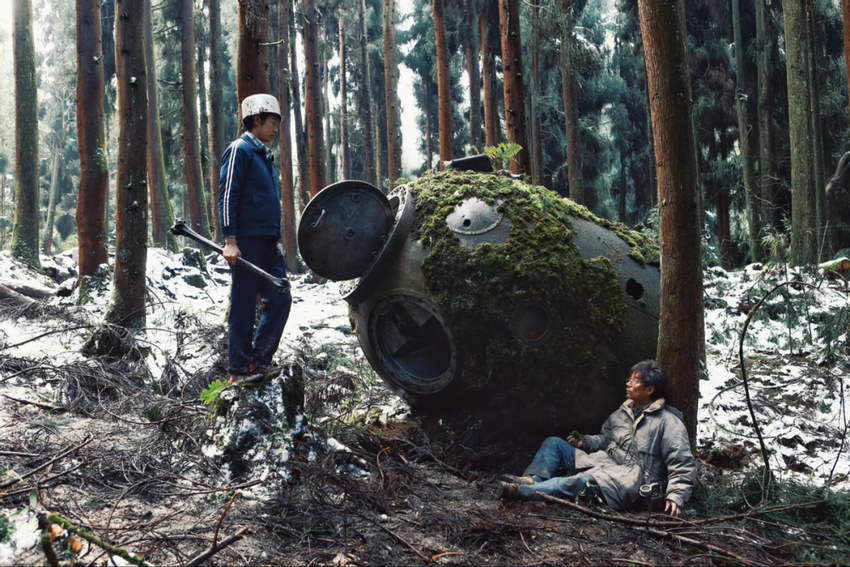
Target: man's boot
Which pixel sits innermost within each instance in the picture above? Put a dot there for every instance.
(507, 491)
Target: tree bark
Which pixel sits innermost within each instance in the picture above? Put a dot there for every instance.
(534, 84)
(366, 100)
(492, 126)
(766, 60)
(287, 183)
(515, 122)
(474, 76)
(25, 227)
(570, 89)
(204, 129)
(127, 305)
(845, 11)
(198, 211)
(161, 215)
(803, 194)
(300, 134)
(343, 98)
(312, 98)
(443, 85)
(216, 111)
(328, 156)
(744, 128)
(391, 82)
(91, 140)
(818, 161)
(51, 205)
(252, 52)
(681, 337)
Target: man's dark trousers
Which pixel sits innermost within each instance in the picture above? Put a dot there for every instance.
(243, 347)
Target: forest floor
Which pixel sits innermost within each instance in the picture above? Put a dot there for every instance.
(120, 447)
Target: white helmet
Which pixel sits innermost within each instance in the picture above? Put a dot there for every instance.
(257, 104)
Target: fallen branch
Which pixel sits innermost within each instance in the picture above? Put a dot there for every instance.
(40, 483)
(223, 514)
(702, 545)
(196, 492)
(198, 559)
(16, 454)
(680, 523)
(119, 551)
(395, 535)
(48, 463)
(13, 296)
(36, 404)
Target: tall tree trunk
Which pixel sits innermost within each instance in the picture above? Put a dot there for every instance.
(377, 139)
(300, 134)
(312, 98)
(25, 227)
(681, 333)
(216, 110)
(766, 59)
(818, 161)
(326, 110)
(161, 215)
(720, 194)
(204, 131)
(428, 153)
(391, 81)
(744, 127)
(474, 76)
(287, 183)
(343, 98)
(366, 100)
(621, 209)
(252, 51)
(845, 12)
(570, 88)
(803, 194)
(492, 127)
(51, 204)
(91, 140)
(514, 90)
(198, 211)
(536, 137)
(127, 305)
(444, 96)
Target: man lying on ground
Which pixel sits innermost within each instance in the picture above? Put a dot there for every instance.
(643, 444)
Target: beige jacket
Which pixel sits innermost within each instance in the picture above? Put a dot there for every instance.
(662, 442)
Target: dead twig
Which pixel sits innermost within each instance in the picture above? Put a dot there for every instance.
(37, 404)
(200, 558)
(702, 545)
(223, 514)
(119, 551)
(48, 463)
(395, 535)
(40, 483)
(17, 454)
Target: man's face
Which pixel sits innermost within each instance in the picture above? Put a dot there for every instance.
(637, 391)
(265, 131)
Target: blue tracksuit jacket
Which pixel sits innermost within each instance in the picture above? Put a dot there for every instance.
(249, 190)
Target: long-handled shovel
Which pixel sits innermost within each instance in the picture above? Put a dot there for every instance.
(180, 228)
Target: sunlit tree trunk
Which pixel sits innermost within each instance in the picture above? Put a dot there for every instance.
(366, 100)
(515, 122)
(91, 140)
(343, 97)
(326, 110)
(818, 162)
(492, 128)
(391, 81)
(681, 335)
(300, 134)
(287, 183)
(312, 98)
(51, 205)
(803, 194)
(161, 215)
(474, 76)
(203, 116)
(127, 305)
(570, 91)
(443, 85)
(216, 111)
(25, 227)
(252, 52)
(428, 153)
(198, 211)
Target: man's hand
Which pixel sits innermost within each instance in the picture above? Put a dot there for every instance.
(231, 250)
(574, 441)
(672, 509)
